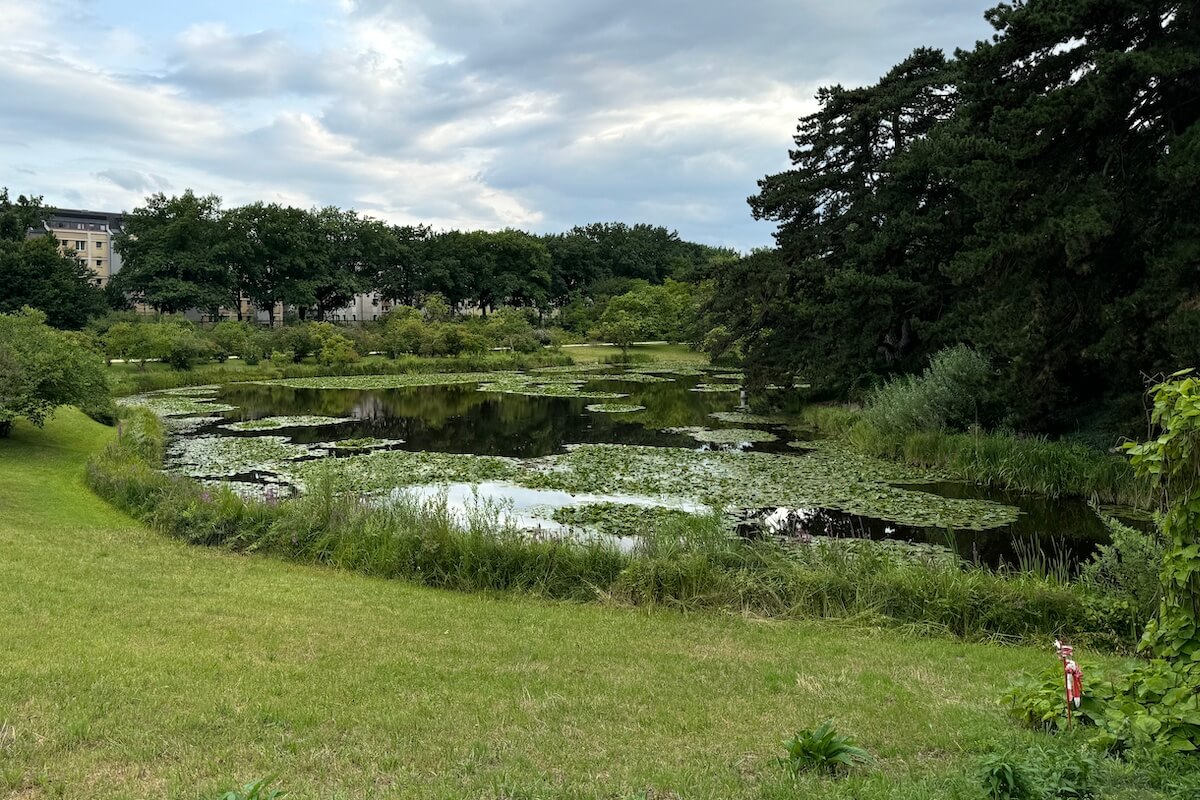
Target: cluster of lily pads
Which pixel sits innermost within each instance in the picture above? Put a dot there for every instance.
(828, 476)
(275, 423)
(732, 436)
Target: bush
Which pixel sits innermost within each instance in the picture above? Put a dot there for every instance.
(952, 394)
(1121, 578)
(1040, 774)
(182, 346)
(42, 368)
(281, 358)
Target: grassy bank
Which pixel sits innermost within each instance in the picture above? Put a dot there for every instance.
(162, 670)
(168, 671)
(1022, 463)
(689, 564)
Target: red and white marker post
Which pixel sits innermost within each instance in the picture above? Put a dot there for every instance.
(1072, 679)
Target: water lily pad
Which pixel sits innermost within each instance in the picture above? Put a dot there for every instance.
(273, 423)
(725, 435)
(746, 418)
(218, 456)
(614, 408)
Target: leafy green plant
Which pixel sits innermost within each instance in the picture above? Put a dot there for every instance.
(822, 749)
(1063, 773)
(1004, 778)
(256, 790)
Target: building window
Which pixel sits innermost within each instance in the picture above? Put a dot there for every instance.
(99, 263)
(80, 245)
(99, 245)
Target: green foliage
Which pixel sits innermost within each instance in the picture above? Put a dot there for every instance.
(977, 199)
(620, 328)
(822, 749)
(170, 249)
(42, 368)
(952, 394)
(256, 790)
(1172, 460)
(1152, 704)
(33, 273)
(1039, 774)
(1122, 577)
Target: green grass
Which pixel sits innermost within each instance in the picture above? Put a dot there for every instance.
(594, 353)
(136, 666)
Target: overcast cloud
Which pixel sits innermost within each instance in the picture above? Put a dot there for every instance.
(538, 114)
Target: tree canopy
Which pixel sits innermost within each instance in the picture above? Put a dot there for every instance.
(1033, 196)
(34, 273)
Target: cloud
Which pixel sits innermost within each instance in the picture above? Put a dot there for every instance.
(460, 113)
(134, 180)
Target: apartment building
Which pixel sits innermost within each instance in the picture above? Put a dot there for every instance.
(88, 235)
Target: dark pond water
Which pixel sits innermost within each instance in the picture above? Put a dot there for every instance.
(461, 419)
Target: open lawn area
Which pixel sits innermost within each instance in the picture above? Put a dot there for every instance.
(135, 666)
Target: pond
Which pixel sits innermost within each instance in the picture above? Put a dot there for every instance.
(577, 443)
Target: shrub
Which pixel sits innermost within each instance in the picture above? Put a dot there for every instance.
(952, 394)
(182, 345)
(1121, 578)
(1040, 774)
(822, 749)
(336, 350)
(42, 368)
(281, 358)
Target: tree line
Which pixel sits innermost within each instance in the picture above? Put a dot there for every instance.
(1035, 196)
(186, 252)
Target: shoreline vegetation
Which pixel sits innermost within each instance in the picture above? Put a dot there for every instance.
(688, 563)
(1033, 464)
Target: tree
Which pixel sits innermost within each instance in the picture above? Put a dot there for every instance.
(621, 329)
(42, 369)
(34, 273)
(268, 252)
(19, 217)
(402, 272)
(1033, 197)
(171, 253)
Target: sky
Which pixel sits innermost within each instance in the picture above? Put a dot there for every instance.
(533, 114)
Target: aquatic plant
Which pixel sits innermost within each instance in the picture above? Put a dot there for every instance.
(273, 423)
(215, 456)
(725, 435)
(422, 541)
(361, 443)
(175, 404)
(746, 418)
(716, 387)
(614, 408)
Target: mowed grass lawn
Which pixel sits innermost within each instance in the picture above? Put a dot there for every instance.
(135, 666)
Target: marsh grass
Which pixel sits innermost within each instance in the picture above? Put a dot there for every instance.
(1024, 463)
(1005, 460)
(686, 562)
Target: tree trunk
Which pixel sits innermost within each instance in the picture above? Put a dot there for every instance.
(5, 427)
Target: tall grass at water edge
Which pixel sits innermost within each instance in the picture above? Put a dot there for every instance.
(1004, 460)
(688, 564)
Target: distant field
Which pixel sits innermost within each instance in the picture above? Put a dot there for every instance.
(135, 666)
